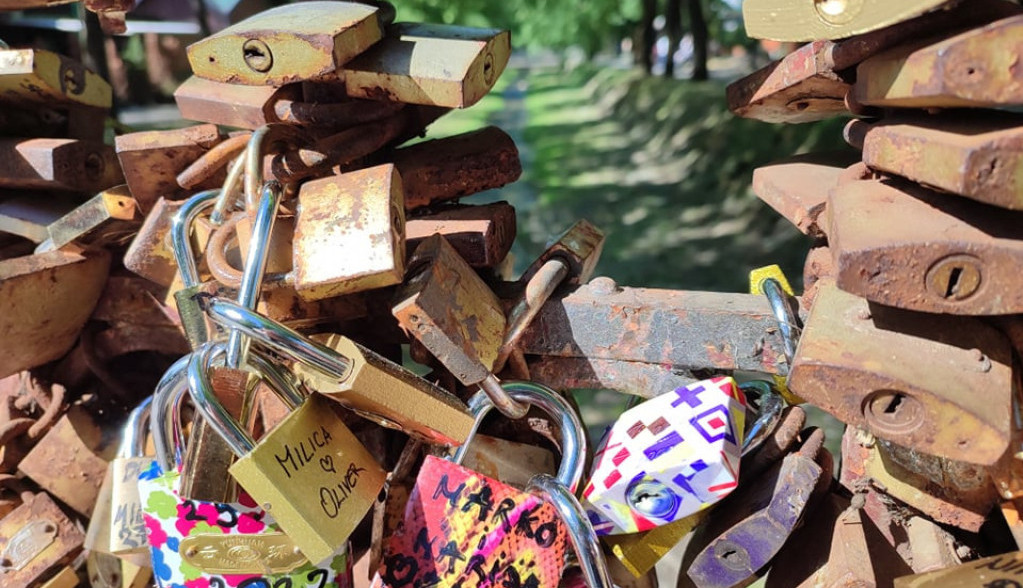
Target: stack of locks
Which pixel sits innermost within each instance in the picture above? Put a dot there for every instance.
(204, 382)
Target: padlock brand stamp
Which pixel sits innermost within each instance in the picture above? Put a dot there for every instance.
(30, 541)
(273, 553)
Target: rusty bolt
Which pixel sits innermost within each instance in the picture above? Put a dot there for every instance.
(893, 413)
(257, 55)
(954, 278)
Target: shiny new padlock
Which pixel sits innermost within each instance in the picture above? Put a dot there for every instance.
(463, 528)
(309, 471)
(667, 458)
(195, 543)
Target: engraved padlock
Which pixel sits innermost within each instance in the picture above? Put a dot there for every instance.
(127, 529)
(480, 530)
(668, 457)
(200, 543)
(309, 471)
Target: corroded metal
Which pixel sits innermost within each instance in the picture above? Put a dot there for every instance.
(108, 217)
(452, 167)
(36, 76)
(901, 245)
(149, 254)
(153, 159)
(482, 235)
(968, 70)
(979, 156)
(208, 166)
(797, 188)
(940, 385)
(45, 300)
(674, 329)
(287, 44)
(58, 164)
(440, 65)
(40, 537)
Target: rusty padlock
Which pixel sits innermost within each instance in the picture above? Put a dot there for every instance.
(797, 187)
(36, 540)
(37, 76)
(110, 217)
(482, 235)
(287, 43)
(438, 65)
(868, 366)
(58, 164)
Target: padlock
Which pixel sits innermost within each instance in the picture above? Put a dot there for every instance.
(440, 65)
(447, 307)
(479, 530)
(70, 461)
(967, 70)
(127, 529)
(152, 161)
(287, 44)
(355, 376)
(349, 233)
(193, 539)
(309, 471)
(866, 365)
(35, 76)
(783, 21)
(36, 539)
(452, 167)
(999, 571)
(667, 458)
(58, 164)
(583, 337)
(968, 154)
(150, 254)
(25, 216)
(108, 217)
(747, 532)
(797, 187)
(953, 258)
(482, 235)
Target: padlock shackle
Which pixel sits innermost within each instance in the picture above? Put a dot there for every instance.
(206, 402)
(133, 435)
(769, 411)
(255, 267)
(234, 177)
(181, 226)
(788, 322)
(577, 524)
(278, 337)
(573, 438)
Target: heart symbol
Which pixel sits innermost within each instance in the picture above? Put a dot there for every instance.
(327, 463)
(393, 567)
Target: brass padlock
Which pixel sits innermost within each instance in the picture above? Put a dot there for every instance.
(867, 365)
(356, 377)
(46, 299)
(440, 65)
(807, 21)
(127, 529)
(349, 233)
(36, 76)
(58, 164)
(36, 539)
(287, 43)
(108, 217)
(152, 161)
(309, 472)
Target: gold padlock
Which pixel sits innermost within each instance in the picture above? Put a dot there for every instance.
(127, 529)
(349, 233)
(286, 44)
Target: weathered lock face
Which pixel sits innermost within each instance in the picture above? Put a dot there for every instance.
(36, 76)
(349, 233)
(232, 105)
(58, 164)
(482, 235)
(474, 529)
(35, 538)
(127, 529)
(404, 67)
(110, 216)
(287, 44)
(667, 458)
(313, 476)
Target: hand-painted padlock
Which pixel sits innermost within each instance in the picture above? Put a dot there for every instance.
(667, 458)
(461, 528)
(198, 544)
(309, 471)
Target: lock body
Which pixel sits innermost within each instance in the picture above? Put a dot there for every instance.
(69, 165)
(108, 217)
(36, 76)
(35, 539)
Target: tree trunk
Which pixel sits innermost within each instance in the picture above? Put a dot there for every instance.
(673, 24)
(698, 27)
(648, 36)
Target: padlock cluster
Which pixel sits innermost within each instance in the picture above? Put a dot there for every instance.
(274, 348)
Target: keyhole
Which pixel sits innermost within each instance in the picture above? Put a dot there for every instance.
(953, 282)
(892, 412)
(893, 404)
(954, 278)
(257, 55)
